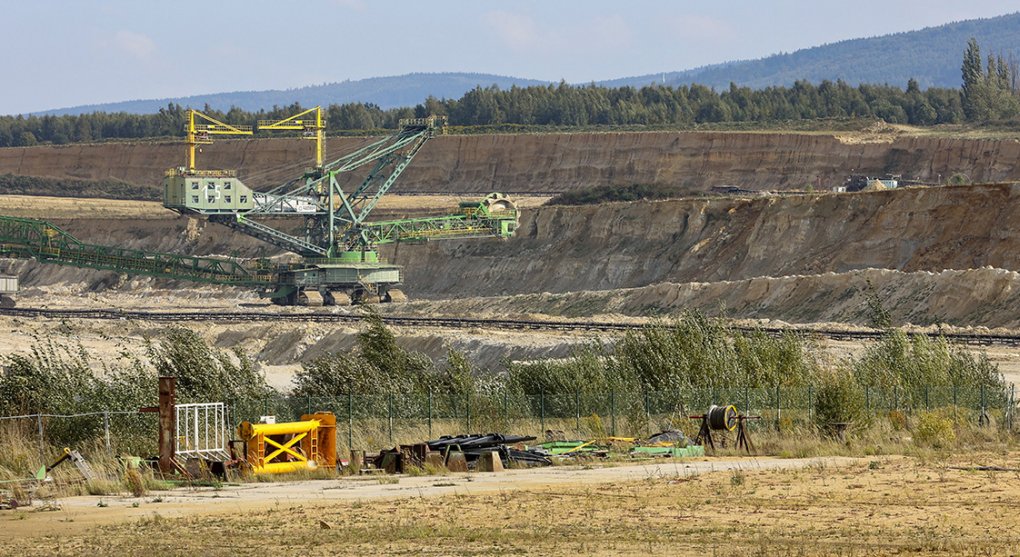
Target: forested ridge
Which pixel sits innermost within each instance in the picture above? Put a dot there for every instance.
(989, 94)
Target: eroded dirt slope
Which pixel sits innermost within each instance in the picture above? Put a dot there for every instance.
(559, 162)
(623, 245)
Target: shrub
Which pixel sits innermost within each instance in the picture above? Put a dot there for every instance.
(933, 429)
(914, 365)
(840, 399)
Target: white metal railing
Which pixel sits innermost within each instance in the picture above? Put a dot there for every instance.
(202, 430)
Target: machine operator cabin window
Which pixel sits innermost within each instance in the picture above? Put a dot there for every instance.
(194, 199)
(226, 198)
(244, 199)
(194, 185)
(226, 185)
(212, 199)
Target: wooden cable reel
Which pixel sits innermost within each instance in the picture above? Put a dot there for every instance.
(723, 419)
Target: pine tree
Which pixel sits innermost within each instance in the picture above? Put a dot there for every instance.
(973, 78)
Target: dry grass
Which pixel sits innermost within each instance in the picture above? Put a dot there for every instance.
(888, 506)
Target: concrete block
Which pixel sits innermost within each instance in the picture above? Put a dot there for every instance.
(434, 460)
(456, 462)
(490, 462)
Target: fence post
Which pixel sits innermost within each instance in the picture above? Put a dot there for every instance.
(308, 404)
(867, 398)
(506, 411)
(747, 401)
(430, 412)
(577, 412)
(1012, 407)
(811, 403)
(612, 412)
(779, 406)
(350, 420)
(648, 414)
(927, 405)
(467, 410)
(1009, 410)
(106, 430)
(984, 413)
(541, 409)
(42, 438)
(389, 414)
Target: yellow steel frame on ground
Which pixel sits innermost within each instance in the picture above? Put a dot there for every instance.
(291, 446)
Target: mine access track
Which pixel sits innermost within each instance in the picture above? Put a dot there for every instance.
(469, 322)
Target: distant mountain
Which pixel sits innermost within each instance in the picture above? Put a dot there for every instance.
(387, 92)
(932, 56)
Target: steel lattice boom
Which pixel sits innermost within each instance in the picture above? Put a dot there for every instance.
(37, 239)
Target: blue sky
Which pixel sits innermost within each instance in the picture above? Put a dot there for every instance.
(65, 53)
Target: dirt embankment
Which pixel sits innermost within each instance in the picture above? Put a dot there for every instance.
(795, 258)
(624, 245)
(560, 162)
(965, 298)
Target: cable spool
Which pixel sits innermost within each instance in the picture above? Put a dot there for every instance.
(722, 418)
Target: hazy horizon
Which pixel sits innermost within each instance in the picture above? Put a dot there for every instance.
(72, 54)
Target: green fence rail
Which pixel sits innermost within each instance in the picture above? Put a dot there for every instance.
(374, 421)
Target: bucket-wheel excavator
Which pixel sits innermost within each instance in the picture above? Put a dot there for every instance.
(337, 246)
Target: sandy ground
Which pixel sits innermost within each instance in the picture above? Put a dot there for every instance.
(78, 514)
(937, 505)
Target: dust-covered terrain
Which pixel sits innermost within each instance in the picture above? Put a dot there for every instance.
(555, 162)
(930, 257)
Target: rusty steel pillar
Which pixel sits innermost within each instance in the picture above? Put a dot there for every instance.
(167, 424)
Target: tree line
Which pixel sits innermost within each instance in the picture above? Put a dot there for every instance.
(989, 93)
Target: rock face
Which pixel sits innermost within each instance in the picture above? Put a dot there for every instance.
(559, 162)
(624, 245)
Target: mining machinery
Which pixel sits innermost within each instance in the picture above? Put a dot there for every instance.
(334, 244)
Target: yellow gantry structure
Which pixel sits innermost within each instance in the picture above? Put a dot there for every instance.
(199, 133)
(292, 446)
(312, 127)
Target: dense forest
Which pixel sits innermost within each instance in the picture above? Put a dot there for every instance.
(989, 94)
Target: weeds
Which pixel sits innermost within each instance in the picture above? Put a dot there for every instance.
(737, 478)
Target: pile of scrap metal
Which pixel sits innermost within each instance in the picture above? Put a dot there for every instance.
(479, 452)
(511, 448)
(20, 494)
(668, 443)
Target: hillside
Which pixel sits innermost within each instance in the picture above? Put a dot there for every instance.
(387, 92)
(931, 56)
(549, 163)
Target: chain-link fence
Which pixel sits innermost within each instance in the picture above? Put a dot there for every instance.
(378, 420)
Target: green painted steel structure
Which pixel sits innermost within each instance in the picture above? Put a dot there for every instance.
(338, 243)
(25, 238)
(339, 262)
